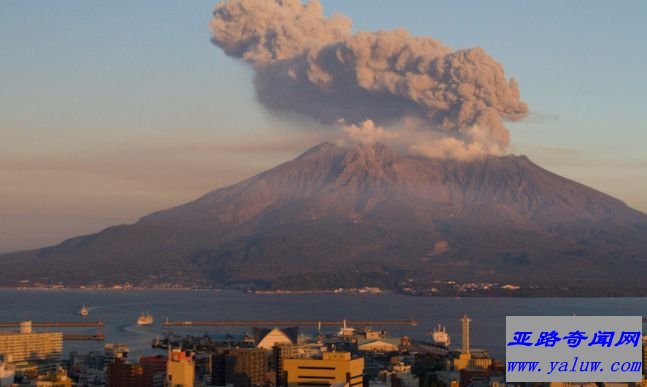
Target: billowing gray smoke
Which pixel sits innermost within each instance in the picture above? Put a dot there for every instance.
(440, 103)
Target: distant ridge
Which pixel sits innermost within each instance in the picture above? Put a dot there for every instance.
(366, 216)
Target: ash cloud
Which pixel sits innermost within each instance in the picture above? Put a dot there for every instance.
(449, 102)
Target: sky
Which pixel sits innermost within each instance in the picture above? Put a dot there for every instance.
(112, 110)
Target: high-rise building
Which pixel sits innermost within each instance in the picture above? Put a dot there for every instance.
(332, 368)
(154, 369)
(96, 360)
(465, 339)
(180, 369)
(122, 374)
(111, 352)
(246, 367)
(42, 349)
(281, 352)
(217, 366)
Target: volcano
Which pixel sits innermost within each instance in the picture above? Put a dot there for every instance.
(366, 216)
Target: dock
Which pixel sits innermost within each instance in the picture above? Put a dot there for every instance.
(291, 323)
(80, 337)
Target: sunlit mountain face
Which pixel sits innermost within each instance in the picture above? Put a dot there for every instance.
(365, 215)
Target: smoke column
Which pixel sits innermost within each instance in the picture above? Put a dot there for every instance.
(387, 86)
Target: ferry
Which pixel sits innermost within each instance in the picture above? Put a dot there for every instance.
(84, 311)
(145, 319)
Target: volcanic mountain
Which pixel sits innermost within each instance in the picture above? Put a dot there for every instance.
(362, 216)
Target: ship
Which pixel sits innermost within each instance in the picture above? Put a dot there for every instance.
(439, 336)
(145, 319)
(84, 311)
(346, 331)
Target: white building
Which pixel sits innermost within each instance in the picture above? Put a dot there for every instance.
(268, 338)
(27, 347)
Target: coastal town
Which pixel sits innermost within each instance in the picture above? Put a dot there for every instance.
(275, 355)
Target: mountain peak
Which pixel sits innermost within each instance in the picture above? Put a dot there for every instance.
(319, 150)
(367, 210)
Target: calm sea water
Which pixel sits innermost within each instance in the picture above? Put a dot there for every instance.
(120, 309)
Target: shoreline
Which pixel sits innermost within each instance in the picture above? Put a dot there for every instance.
(320, 292)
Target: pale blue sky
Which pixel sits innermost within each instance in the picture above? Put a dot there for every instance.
(110, 110)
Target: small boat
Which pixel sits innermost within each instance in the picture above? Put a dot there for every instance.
(145, 319)
(84, 311)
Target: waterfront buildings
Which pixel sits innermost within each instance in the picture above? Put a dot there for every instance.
(180, 369)
(29, 350)
(386, 344)
(332, 368)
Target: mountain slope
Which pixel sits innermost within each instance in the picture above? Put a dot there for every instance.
(355, 216)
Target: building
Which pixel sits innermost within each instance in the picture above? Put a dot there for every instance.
(53, 379)
(27, 348)
(375, 341)
(246, 367)
(154, 369)
(332, 368)
(217, 367)
(268, 338)
(7, 373)
(399, 374)
(475, 377)
(180, 369)
(87, 369)
(111, 352)
(122, 374)
(385, 344)
(468, 358)
(281, 352)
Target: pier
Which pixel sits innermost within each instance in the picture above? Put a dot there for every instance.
(277, 323)
(80, 337)
(80, 324)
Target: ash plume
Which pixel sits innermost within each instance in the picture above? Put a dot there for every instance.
(447, 103)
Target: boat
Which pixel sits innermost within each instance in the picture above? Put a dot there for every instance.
(145, 319)
(346, 331)
(84, 311)
(440, 336)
